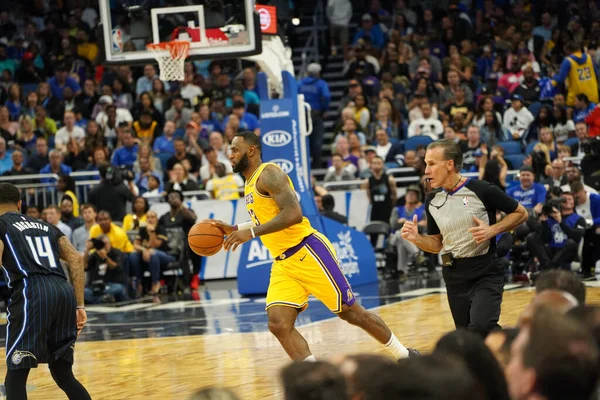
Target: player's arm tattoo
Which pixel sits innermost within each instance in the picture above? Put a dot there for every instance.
(75, 259)
(275, 182)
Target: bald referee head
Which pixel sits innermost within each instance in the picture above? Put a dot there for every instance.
(10, 198)
(444, 160)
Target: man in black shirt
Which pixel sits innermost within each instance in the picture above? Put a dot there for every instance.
(180, 155)
(177, 224)
(461, 224)
(110, 195)
(45, 314)
(107, 280)
(328, 203)
(39, 159)
(151, 250)
(381, 190)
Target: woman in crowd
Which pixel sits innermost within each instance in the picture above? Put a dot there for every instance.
(486, 103)
(493, 131)
(144, 151)
(563, 127)
(179, 179)
(14, 102)
(160, 97)
(547, 138)
(94, 137)
(138, 217)
(65, 187)
(8, 128)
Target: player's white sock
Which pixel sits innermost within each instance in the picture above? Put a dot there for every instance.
(396, 348)
(312, 358)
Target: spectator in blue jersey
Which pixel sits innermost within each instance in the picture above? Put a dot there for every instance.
(126, 155)
(61, 80)
(583, 107)
(316, 93)
(555, 244)
(412, 210)
(248, 121)
(208, 119)
(164, 143)
(371, 29)
(530, 194)
(55, 166)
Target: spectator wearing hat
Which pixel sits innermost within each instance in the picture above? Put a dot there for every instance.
(316, 93)
(60, 80)
(108, 111)
(179, 113)
(517, 118)
(499, 94)
(425, 53)
(529, 89)
(413, 205)
(354, 88)
(193, 141)
(339, 13)
(371, 29)
(28, 73)
(361, 67)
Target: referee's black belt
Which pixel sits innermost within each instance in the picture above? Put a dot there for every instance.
(474, 259)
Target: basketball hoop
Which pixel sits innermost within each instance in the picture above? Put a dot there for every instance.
(171, 65)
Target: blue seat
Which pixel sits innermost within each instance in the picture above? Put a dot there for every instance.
(164, 157)
(414, 142)
(530, 147)
(534, 108)
(510, 147)
(515, 159)
(572, 142)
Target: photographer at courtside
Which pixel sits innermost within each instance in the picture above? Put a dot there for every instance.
(556, 243)
(112, 194)
(461, 225)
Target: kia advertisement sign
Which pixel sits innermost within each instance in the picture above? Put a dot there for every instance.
(268, 19)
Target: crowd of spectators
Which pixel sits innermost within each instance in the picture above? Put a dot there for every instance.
(551, 353)
(514, 84)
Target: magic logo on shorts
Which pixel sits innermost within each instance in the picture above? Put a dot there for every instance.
(19, 355)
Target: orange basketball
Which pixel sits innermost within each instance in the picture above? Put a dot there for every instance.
(205, 239)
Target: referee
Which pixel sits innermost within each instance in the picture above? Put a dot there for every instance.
(461, 225)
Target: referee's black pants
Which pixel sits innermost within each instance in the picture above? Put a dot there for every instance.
(475, 286)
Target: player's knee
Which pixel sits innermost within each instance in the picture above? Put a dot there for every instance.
(352, 316)
(279, 326)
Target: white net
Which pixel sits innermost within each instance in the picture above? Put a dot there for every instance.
(171, 59)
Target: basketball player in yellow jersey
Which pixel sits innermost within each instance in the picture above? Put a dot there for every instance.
(305, 261)
(579, 71)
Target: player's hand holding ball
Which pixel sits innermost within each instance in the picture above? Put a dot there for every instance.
(236, 238)
(206, 237)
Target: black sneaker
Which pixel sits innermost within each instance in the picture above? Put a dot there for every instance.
(411, 353)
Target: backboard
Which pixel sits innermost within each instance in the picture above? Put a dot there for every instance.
(214, 28)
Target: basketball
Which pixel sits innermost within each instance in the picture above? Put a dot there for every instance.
(205, 239)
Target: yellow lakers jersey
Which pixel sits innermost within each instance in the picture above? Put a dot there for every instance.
(262, 208)
(582, 80)
(225, 188)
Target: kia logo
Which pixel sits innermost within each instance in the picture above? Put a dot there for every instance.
(276, 138)
(285, 165)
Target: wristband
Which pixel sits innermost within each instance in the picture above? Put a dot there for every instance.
(244, 226)
(252, 230)
(81, 307)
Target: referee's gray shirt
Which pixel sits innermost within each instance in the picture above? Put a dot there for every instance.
(454, 218)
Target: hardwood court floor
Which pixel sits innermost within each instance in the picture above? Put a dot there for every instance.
(173, 367)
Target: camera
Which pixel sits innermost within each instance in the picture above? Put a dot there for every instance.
(98, 243)
(117, 175)
(549, 206)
